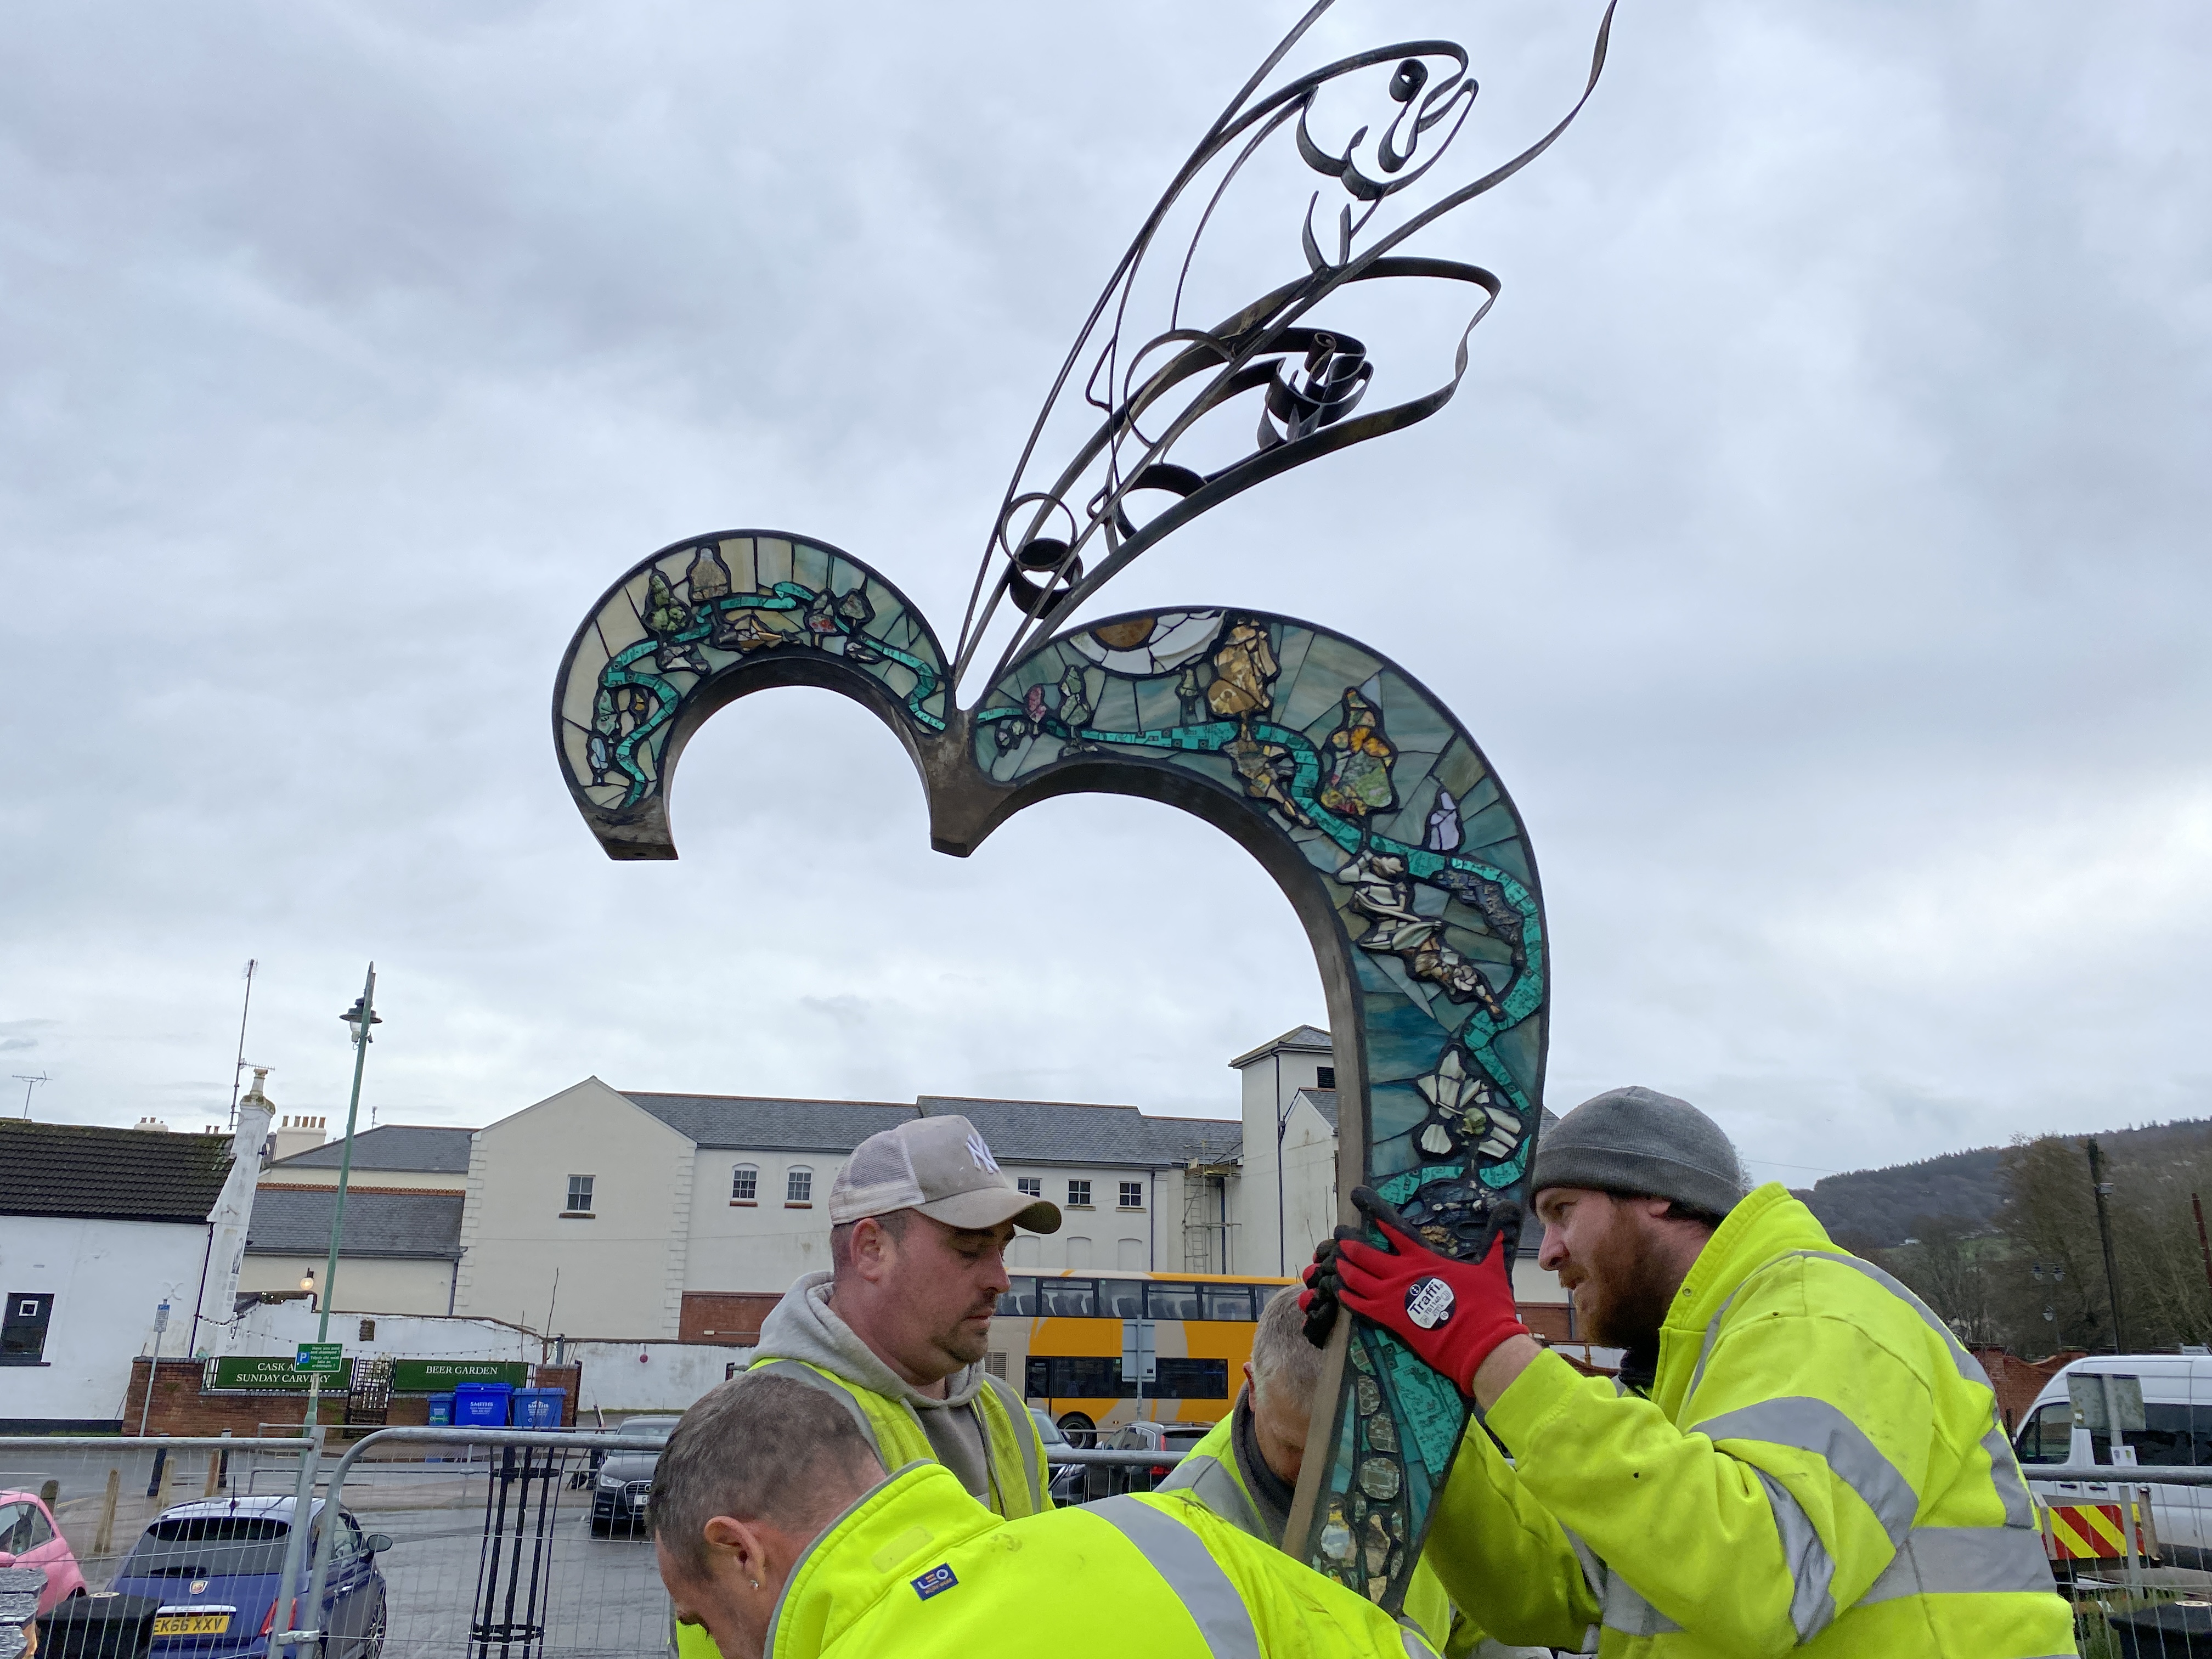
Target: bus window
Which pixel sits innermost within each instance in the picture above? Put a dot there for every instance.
(1122, 1298)
(1037, 1385)
(1068, 1298)
(1262, 1295)
(1081, 1377)
(1020, 1298)
(1171, 1301)
(1228, 1301)
(1190, 1379)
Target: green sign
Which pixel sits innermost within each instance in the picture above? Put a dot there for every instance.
(439, 1376)
(269, 1374)
(319, 1359)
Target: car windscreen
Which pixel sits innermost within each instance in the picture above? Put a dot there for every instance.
(649, 1428)
(208, 1546)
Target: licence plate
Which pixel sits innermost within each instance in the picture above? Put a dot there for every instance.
(639, 1499)
(191, 1624)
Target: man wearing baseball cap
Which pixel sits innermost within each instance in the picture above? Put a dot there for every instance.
(919, 1219)
(1799, 1453)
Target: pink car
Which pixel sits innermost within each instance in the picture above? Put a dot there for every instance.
(29, 1538)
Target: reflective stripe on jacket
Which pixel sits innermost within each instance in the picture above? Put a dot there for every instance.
(1011, 1447)
(1819, 1465)
(918, 1569)
(1209, 1477)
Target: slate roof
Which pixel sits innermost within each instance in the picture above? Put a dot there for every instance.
(753, 1123)
(1310, 1038)
(116, 1174)
(1025, 1131)
(296, 1221)
(423, 1148)
(1323, 1100)
(1065, 1132)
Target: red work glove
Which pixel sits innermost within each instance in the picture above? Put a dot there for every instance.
(1451, 1313)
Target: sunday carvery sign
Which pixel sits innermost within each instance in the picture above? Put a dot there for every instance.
(269, 1373)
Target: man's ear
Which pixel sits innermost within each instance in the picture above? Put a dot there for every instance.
(873, 1248)
(736, 1547)
(1248, 1382)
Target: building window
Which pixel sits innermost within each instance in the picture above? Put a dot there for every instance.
(744, 1184)
(1324, 1076)
(579, 1196)
(798, 1186)
(23, 1332)
(1133, 1194)
(1030, 1186)
(1079, 1194)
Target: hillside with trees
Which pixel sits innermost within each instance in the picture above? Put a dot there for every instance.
(2003, 1241)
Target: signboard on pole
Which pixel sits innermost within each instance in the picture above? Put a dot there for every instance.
(439, 1376)
(266, 1373)
(319, 1359)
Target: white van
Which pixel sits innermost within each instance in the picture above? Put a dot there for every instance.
(2163, 1402)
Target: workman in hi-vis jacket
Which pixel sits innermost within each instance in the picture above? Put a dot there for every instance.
(1798, 1453)
(1246, 1472)
(919, 1219)
(778, 1532)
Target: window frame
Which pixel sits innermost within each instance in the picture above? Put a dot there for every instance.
(749, 1173)
(23, 1337)
(1132, 1195)
(590, 1191)
(1030, 1186)
(1075, 1186)
(798, 1186)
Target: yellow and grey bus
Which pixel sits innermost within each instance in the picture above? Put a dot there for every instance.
(1079, 1345)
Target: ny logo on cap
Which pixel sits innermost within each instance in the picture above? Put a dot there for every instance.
(981, 1154)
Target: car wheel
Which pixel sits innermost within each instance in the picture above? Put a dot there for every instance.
(372, 1643)
(599, 1527)
(1079, 1429)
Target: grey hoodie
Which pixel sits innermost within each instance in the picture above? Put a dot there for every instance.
(802, 1327)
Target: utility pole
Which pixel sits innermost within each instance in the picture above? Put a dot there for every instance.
(2102, 1189)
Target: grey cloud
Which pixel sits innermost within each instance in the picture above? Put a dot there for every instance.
(1815, 545)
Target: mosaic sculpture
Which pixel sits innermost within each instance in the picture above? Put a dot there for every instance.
(1360, 794)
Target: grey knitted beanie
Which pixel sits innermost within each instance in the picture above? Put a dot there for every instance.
(1639, 1140)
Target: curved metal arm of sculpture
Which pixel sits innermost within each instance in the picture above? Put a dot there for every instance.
(1311, 378)
(1362, 797)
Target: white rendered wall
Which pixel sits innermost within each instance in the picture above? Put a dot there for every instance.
(623, 1272)
(1270, 1084)
(366, 1284)
(106, 1277)
(761, 1246)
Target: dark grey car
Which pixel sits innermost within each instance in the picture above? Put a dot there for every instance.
(623, 1487)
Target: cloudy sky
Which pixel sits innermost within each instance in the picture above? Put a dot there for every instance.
(1817, 546)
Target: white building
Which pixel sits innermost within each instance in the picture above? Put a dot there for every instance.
(627, 1215)
(402, 1249)
(98, 1227)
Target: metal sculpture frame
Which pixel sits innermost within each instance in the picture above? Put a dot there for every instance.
(1362, 797)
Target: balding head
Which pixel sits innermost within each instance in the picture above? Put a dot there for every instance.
(1283, 1372)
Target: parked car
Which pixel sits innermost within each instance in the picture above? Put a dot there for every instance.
(30, 1537)
(623, 1486)
(1066, 1482)
(2174, 1394)
(1171, 1440)
(216, 1564)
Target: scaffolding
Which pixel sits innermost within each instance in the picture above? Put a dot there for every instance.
(1209, 1234)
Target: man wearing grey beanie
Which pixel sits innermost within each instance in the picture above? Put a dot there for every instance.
(1797, 1455)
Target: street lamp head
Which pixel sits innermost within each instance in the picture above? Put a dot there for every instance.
(307, 1280)
(352, 1017)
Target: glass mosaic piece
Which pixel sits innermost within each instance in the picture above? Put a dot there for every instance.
(1356, 790)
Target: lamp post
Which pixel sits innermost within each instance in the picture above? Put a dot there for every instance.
(2102, 1189)
(358, 1018)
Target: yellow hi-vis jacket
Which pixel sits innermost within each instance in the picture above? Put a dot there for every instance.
(1020, 1481)
(1819, 1465)
(918, 1569)
(1209, 1476)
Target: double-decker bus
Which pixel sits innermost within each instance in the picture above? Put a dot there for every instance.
(1060, 1338)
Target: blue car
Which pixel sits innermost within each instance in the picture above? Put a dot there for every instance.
(215, 1566)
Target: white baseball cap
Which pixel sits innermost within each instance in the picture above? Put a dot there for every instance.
(941, 1167)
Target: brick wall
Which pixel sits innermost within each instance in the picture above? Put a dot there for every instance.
(2018, 1381)
(727, 1317)
(179, 1407)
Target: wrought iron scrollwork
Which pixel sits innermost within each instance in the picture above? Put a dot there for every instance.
(1055, 545)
